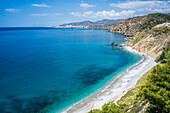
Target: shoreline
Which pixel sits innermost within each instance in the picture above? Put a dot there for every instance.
(117, 87)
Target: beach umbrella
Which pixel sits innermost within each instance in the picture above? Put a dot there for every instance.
(110, 100)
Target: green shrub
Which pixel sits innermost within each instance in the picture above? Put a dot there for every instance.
(157, 90)
(137, 39)
(108, 108)
(165, 55)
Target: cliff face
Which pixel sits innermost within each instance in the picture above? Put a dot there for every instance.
(153, 46)
(154, 41)
(149, 34)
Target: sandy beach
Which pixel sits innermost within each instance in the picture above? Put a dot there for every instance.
(117, 87)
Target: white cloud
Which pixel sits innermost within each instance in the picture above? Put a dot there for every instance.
(88, 13)
(76, 14)
(45, 14)
(155, 9)
(104, 14)
(87, 5)
(156, 5)
(158, 10)
(131, 4)
(12, 10)
(41, 5)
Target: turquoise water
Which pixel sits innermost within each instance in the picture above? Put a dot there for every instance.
(47, 70)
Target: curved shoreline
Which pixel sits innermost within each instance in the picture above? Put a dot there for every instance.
(117, 87)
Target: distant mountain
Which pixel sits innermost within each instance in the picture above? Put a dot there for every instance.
(107, 21)
(89, 23)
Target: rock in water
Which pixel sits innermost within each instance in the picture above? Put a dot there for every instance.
(116, 44)
(112, 43)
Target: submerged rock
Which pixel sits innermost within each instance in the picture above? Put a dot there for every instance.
(118, 48)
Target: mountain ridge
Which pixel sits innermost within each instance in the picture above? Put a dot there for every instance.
(89, 23)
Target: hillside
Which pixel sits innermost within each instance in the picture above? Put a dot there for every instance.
(135, 26)
(89, 23)
(149, 34)
(153, 41)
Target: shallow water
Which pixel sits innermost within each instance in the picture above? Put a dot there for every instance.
(47, 70)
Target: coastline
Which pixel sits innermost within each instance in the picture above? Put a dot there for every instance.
(117, 87)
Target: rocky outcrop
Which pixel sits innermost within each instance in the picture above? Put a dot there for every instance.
(149, 34)
(113, 43)
(155, 41)
(153, 46)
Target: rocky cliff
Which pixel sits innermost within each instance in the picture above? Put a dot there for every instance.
(152, 42)
(149, 34)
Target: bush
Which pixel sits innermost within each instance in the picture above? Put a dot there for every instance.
(157, 90)
(165, 55)
(137, 39)
(108, 108)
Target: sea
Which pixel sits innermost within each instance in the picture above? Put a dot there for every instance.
(46, 70)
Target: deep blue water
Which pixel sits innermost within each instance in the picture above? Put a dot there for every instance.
(47, 70)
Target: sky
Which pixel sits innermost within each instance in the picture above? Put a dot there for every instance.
(35, 13)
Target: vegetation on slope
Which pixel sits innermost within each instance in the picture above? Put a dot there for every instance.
(157, 31)
(152, 94)
(157, 90)
(108, 108)
(137, 39)
(150, 34)
(160, 30)
(153, 19)
(136, 25)
(153, 41)
(164, 57)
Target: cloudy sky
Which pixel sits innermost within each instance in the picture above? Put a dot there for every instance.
(23, 13)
